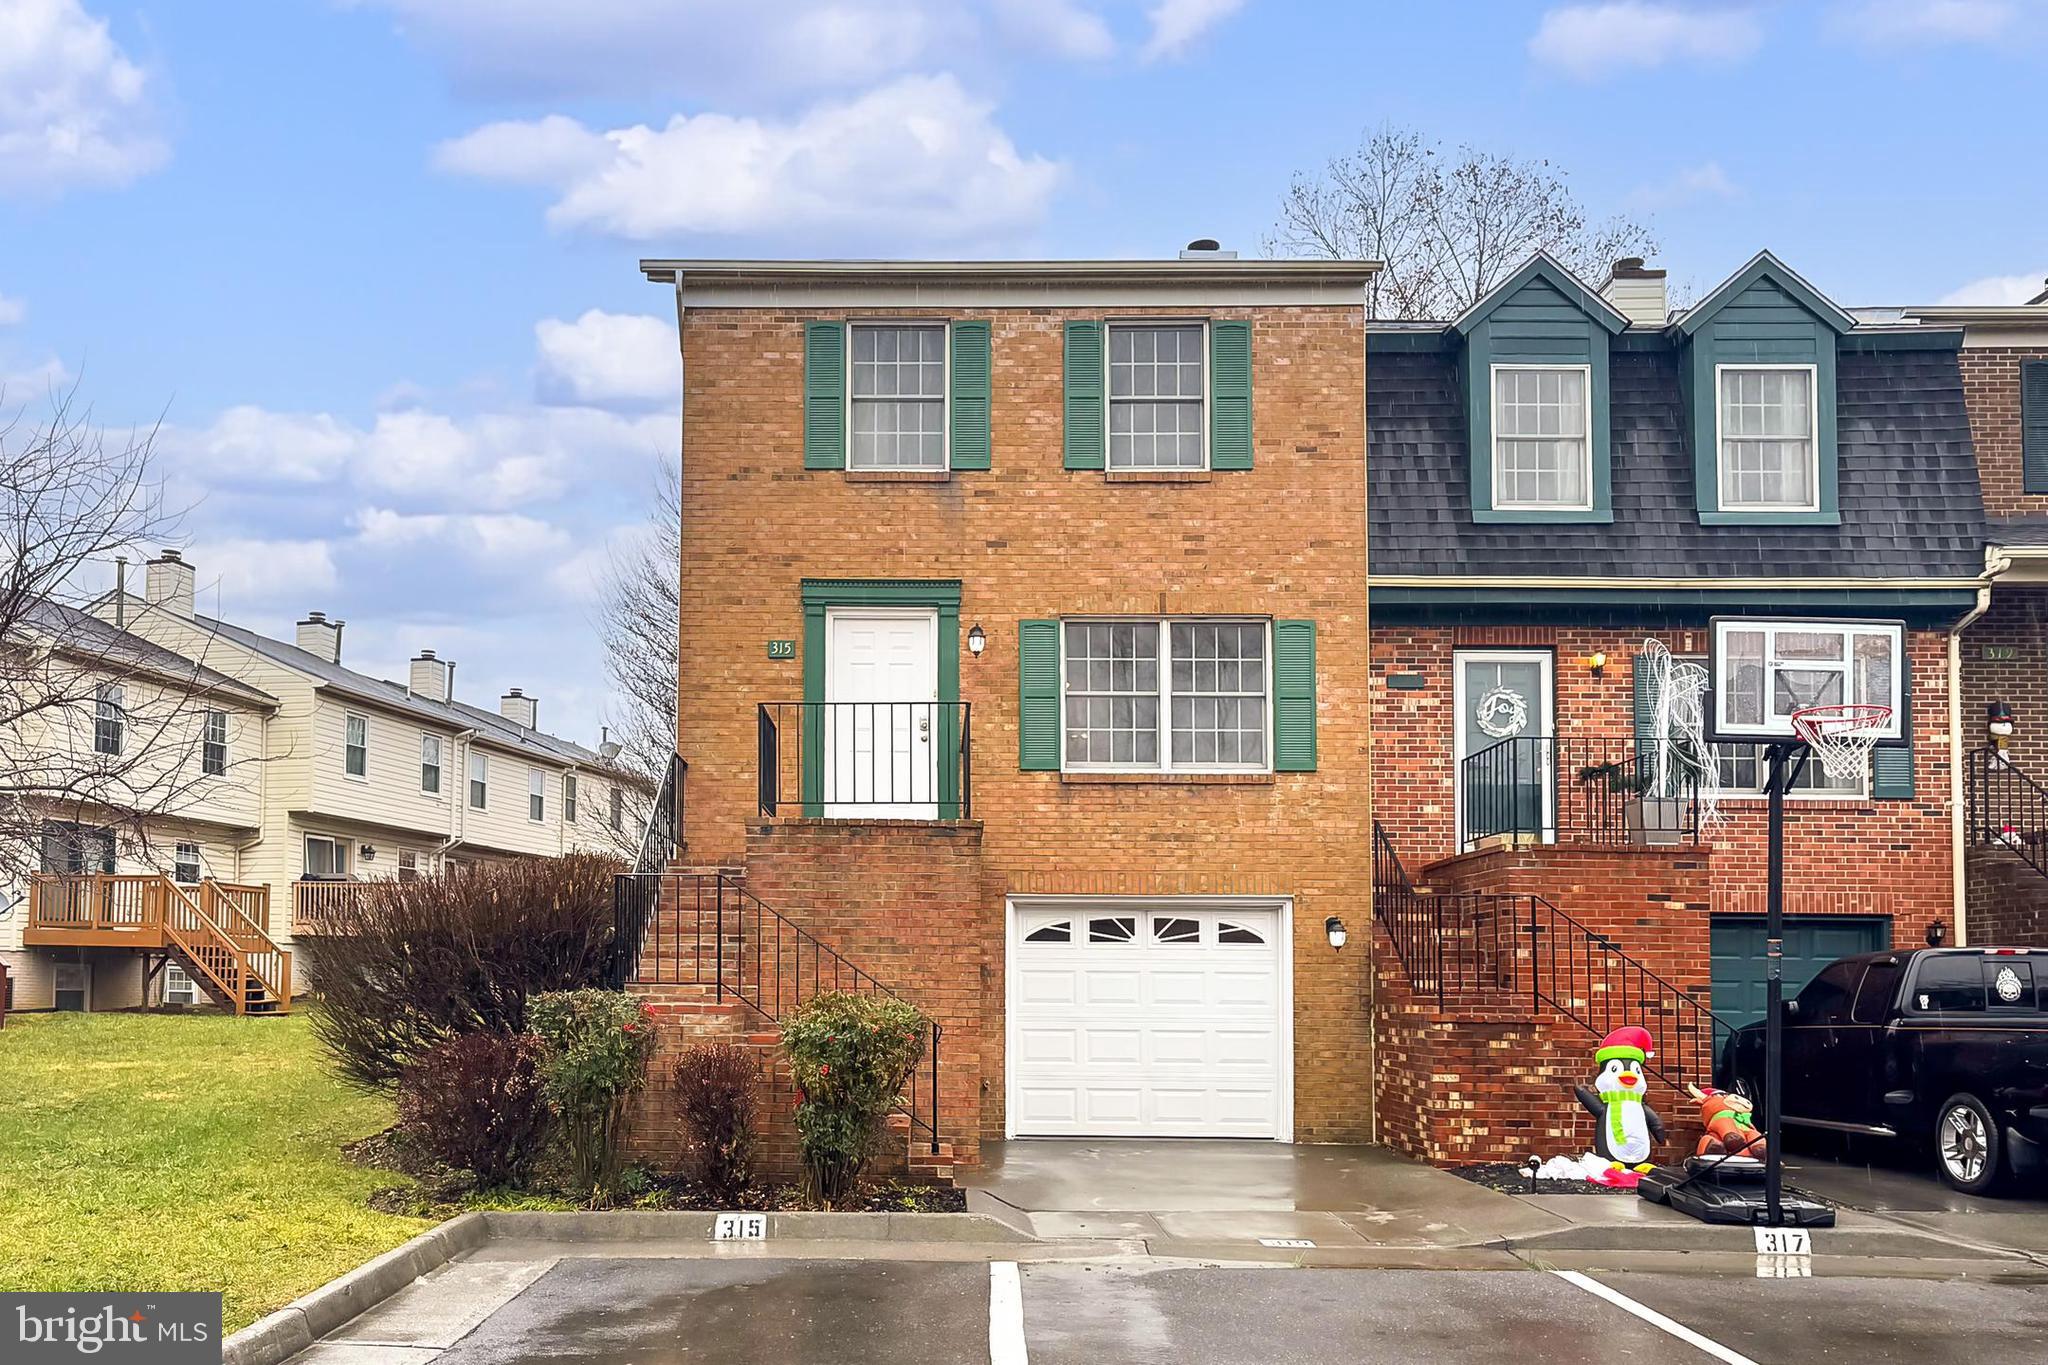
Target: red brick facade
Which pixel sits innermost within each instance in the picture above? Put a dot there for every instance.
(1991, 389)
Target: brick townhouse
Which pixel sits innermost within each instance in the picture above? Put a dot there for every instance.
(1557, 477)
(1024, 673)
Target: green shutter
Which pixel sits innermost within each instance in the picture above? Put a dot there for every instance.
(1230, 397)
(970, 397)
(1086, 421)
(1645, 718)
(1892, 773)
(1038, 696)
(2034, 425)
(1294, 696)
(824, 395)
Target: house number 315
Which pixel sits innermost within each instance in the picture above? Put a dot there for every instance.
(782, 649)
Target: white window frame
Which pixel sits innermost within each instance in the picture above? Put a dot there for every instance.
(945, 327)
(433, 793)
(536, 796)
(1812, 373)
(408, 869)
(110, 716)
(1109, 464)
(1164, 625)
(349, 718)
(178, 863)
(209, 720)
(618, 808)
(569, 795)
(341, 855)
(171, 989)
(1501, 504)
(478, 762)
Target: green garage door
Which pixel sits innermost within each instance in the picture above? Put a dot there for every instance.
(1811, 943)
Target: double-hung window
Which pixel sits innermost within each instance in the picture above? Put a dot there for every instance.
(355, 753)
(1542, 451)
(479, 780)
(899, 397)
(618, 809)
(1768, 440)
(536, 795)
(569, 798)
(430, 764)
(185, 863)
(1157, 382)
(1171, 695)
(408, 865)
(109, 719)
(213, 750)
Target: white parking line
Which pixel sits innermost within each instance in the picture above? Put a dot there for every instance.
(1654, 1318)
(1005, 1315)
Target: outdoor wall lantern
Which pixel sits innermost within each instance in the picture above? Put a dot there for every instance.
(1598, 663)
(977, 640)
(1936, 932)
(1334, 927)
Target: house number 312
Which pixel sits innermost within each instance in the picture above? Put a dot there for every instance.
(782, 649)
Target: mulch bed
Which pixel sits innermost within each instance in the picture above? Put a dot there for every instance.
(1512, 1179)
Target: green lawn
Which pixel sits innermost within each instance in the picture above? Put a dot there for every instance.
(182, 1152)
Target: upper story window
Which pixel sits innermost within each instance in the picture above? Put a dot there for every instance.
(899, 397)
(618, 809)
(109, 719)
(355, 752)
(479, 780)
(1205, 710)
(1542, 455)
(569, 798)
(1157, 379)
(430, 764)
(1768, 438)
(213, 747)
(536, 795)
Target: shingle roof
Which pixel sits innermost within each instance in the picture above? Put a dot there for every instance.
(2029, 531)
(1909, 498)
(83, 634)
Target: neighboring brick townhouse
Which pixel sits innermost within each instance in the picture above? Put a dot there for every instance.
(1024, 666)
(1557, 477)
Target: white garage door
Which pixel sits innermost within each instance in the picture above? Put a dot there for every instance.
(1158, 1021)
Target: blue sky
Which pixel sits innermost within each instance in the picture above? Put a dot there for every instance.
(373, 261)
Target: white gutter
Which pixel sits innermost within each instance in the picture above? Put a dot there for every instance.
(459, 798)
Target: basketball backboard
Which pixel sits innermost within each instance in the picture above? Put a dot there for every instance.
(1763, 669)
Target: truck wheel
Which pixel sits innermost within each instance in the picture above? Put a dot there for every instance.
(1969, 1149)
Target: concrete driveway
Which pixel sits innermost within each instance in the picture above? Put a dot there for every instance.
(1900, 1184)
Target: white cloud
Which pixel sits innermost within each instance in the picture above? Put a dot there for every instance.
(1910, 22)
(705, 48)
(247, 442)
(256, 572)
(1590, 41)
(605, 359)
(12, 310)
(1689, 185)
(917, 159)
(74, 109)
(1056, 28)
(504, 541)
(1176, 24)
(1998, 290)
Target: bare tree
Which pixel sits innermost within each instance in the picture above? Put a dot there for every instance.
(637, 620)
(101, 732)
(1449, 225)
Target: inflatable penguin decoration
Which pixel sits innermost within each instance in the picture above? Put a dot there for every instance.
(1625, 1129)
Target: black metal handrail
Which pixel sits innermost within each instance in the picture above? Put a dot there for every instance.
(2007, 808)
(1576, 790)
(705, 929)
(659, 843)
(910, 758)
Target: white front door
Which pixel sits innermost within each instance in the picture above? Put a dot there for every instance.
(1504, 702)
(1148, 1019)
(881, 719)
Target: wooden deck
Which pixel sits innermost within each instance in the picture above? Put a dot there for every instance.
(215, 929)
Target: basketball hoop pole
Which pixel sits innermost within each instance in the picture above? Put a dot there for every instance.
(1774, 984)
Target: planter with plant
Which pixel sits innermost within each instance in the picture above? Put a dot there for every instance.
(850, 1055)
(597, 1045)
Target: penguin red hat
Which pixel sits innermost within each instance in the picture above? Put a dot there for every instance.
(1630, 1044)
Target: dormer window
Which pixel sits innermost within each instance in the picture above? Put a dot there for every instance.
(1768, 438)
(1542, 455)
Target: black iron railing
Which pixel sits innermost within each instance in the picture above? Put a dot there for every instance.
(2007, 808)
(659, 843)
(1576, 791)
(1479, 949)
(907, 759)
(705, 929)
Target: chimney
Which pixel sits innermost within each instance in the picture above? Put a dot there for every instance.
(518, 708)
(321, 637)
(1637, 292)
(168, 583)
(430, 676)
(1206, 249)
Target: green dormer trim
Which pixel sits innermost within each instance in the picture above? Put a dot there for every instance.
(1763, 317)
(1540, 316)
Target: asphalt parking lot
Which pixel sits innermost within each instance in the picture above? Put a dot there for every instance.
(831, 1312)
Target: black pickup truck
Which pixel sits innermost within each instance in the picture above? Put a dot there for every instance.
(1947, 1046)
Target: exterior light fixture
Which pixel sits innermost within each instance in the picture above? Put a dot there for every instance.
(977, 640)
(1334, 927)
(1598, 663)
(1937, 932)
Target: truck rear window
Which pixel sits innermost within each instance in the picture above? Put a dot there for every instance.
(1969, 983)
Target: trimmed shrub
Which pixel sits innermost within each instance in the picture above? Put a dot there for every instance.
(408, 965)
(475, 1103)
(716, 1089)
(597, 1047)
(850, 1055)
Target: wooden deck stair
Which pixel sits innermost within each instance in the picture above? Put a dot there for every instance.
(214, 930)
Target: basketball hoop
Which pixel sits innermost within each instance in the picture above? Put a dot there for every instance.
(1842, 736)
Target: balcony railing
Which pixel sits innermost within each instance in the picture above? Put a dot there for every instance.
(316, 904)
(910, 760)
(1573, 790)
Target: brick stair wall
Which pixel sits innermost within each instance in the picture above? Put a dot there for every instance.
(2006, 898)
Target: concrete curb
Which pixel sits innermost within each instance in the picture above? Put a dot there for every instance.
(306, 1319)
(650, 1225)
